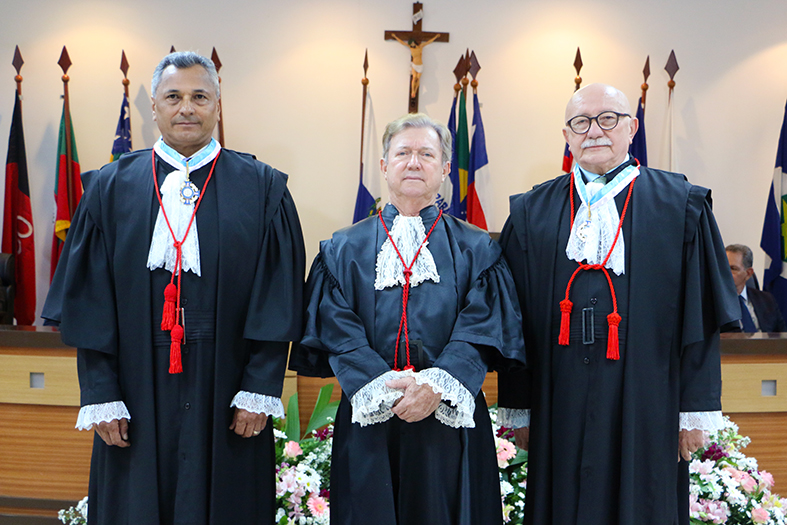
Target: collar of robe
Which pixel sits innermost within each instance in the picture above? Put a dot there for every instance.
(407, 271)
(170, 318)
(613, 319)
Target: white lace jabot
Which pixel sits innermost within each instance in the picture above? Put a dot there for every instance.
(408, 233)
(162, 253)
(596, 222)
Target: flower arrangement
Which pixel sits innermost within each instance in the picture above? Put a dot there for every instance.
(727, 487)
(74, 515)
(303, 466)
(512, 463)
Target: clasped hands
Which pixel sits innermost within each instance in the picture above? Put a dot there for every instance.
(245, 424)
(418, 402)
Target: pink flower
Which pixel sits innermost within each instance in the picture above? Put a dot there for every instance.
(767, 479)
(292, 449)
(317, 505)
(748, 483)
(505, 451)
(760, 515)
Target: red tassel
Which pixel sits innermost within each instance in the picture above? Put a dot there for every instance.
(613, 350)
(175, 364)
(565, 321)
(168, 316)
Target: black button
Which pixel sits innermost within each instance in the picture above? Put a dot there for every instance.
(593, 300)
(187, 406)
(185, 349)
(586, 360)
(184, 301)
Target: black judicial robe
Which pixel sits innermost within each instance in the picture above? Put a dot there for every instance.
(184, 465)
(469, 322)
(604, 434)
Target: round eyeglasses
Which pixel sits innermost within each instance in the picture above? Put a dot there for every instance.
(606, 120)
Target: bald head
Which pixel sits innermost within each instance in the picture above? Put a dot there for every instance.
(597, 150)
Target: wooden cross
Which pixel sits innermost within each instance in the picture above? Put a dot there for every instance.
(416, 40)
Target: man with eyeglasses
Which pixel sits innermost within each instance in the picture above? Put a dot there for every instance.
(624, 285)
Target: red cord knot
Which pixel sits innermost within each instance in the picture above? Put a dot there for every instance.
(613, 345)
(565, 321)
(407, 273)
(409, 367)
(177, 244)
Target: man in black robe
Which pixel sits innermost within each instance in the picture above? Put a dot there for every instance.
(624, 285)
(180, 414)
(413, 441)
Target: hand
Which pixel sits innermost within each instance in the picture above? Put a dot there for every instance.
(690, 441)
(522, 437)
(248, 424)
(419, 401)
(114, 433)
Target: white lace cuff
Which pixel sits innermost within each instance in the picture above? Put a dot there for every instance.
(462, 404)
(513, 417)
(258, 403)
(708, 421)
(373, 402)
(90, 415)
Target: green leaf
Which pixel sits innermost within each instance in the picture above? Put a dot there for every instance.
(324, 411)
(292, 425)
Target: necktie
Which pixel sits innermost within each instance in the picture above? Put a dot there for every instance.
(746, 320)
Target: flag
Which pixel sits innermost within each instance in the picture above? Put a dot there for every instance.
(68, 190)
(478, 176)
(122, 143)
(774, 228)
(462, 155)
(639, 147)
(445, 198)
(18, 222)
(568, 159)
(367, 203)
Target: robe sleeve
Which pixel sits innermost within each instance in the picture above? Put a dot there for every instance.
(279, 276)
(514, 384)
(81, 299)
(334, 335)
(710, 302)
(101, 398)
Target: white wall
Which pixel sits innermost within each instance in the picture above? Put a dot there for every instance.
(292, 93)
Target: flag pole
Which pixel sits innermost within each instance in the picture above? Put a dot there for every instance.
(578, 68)
(65, 63)
(365, 82)
(126, 82)
(216, 62)
(671, 68)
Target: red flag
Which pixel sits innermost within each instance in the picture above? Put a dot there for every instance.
(68, 186)
(18, 222)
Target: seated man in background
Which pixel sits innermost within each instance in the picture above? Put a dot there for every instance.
(759, 310)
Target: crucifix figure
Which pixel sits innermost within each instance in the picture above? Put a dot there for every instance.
(416, 40)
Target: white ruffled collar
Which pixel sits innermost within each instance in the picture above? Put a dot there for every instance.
(408, 233)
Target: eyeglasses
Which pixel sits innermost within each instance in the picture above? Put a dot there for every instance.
(606, 120)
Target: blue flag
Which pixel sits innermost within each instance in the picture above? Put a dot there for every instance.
(639, 146)
(445, 196)
(773, 228)
(367, 202)
(478, 176)
(122, 142)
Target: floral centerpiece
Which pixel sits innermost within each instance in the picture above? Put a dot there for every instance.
(727, 487)
(512, 463)
(74, 515)
(303, 466)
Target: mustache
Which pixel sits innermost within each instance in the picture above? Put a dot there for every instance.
(601, 141)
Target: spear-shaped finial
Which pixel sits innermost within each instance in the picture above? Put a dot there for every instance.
(645, 75)
(17, 63)
(364, 80)
(124, 69)
(171, 49)
(459, 72)
(465, 81)
(65, 63)
(474, 68)
(578, 67)
(671, 68)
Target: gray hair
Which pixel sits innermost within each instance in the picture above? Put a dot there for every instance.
(185, 60)
(417, 120)
(747, 258)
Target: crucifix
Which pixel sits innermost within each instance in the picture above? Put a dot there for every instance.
(416, 40)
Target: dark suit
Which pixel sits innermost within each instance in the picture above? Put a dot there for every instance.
(767, 311)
